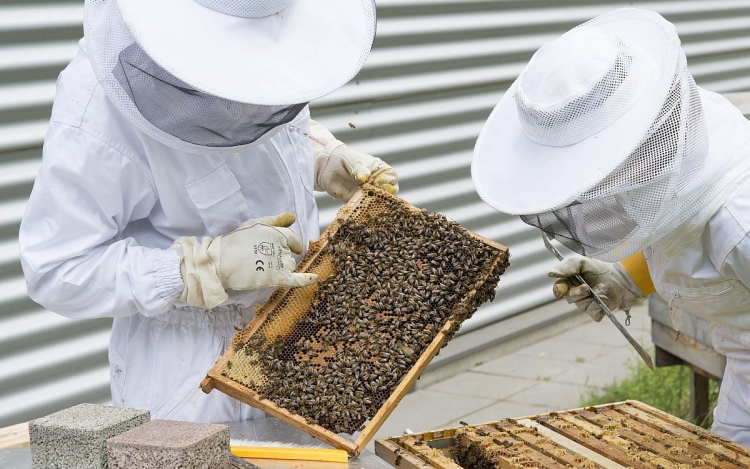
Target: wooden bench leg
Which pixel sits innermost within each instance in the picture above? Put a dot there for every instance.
(698, 398)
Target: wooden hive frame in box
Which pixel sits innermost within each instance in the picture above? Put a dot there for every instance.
(624, 435)
(313, 261)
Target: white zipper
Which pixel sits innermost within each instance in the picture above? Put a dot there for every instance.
(702, 295)
(676, 295)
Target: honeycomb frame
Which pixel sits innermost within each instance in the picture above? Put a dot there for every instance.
(313, 261)
(626, 434)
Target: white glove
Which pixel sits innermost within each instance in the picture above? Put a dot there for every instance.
(339, 170)
(611, 282)
(256, 255)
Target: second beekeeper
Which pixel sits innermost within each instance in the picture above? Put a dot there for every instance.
(176, 187)
(606, 143)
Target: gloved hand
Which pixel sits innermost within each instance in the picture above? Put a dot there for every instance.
(611, 282)
(256, 255)
(339, 170)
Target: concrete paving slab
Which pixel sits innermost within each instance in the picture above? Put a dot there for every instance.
(424, 410)
(565, 350)
(593, 375)
(524, 366)
(620, 356)
(552, 396)
(600, 334)
(498, 411)
(482, 385)
(604, 333)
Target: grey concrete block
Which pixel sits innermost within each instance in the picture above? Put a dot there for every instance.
(167, 444)
(76, 437)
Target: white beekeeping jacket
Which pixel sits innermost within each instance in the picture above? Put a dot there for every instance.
(106, 206)
(711, 277)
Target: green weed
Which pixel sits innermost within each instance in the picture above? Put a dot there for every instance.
(667, 389)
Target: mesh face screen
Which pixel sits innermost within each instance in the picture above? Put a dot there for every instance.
(638, 193)
(391, 278)
(191, 115)
(586, 228)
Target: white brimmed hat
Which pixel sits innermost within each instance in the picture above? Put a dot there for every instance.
(606, 143)
(577, 111)
(274, 53)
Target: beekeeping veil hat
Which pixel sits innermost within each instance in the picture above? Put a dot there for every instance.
(606, 143)
(214, 76)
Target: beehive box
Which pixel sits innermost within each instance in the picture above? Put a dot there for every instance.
(615, 436)
(334, 359)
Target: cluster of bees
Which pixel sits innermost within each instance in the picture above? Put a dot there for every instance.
(399, 277)
(476, 449)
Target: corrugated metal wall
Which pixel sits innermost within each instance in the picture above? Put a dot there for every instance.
(437, 69)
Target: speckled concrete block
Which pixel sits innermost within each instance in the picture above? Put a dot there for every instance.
(76, 437)
(167, 444)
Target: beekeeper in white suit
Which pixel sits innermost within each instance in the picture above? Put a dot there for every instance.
(605, 143)
(176, 188)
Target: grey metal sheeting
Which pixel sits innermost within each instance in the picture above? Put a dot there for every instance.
(436, 71)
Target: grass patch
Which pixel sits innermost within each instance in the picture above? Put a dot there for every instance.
(667, 389)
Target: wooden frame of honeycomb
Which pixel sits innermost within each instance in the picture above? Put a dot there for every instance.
(267, 319)
(623, 435)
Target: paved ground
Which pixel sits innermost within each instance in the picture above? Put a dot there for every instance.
(549, 375)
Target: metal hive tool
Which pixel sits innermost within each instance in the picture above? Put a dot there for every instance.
(335, 359)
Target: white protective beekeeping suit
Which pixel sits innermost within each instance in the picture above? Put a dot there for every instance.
(176, 124)
(606, 143)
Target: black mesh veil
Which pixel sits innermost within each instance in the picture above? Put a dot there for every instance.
(585, 228)
(191, 115)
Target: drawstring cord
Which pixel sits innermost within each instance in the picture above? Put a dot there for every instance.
(675, 295)
(647, 253)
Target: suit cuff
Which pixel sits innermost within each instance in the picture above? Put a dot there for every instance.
(169, 282)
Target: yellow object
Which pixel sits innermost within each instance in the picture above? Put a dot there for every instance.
(296, 454)
(638, 269)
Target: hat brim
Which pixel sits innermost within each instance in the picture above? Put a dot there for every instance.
(518, 176)
(302, 53)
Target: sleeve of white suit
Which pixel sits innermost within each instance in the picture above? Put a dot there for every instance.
(737, 262)
(339, 170)
(323, 144)
(76, 261)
